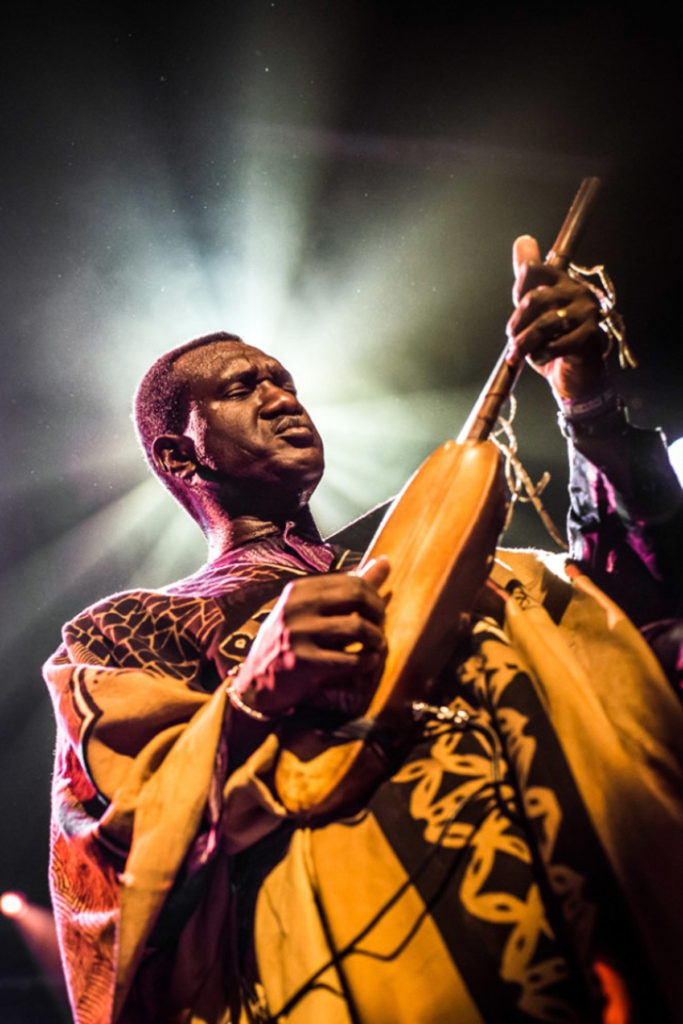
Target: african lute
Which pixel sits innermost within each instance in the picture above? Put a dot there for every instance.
(440, 535)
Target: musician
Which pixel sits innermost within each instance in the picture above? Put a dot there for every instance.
(519, 864)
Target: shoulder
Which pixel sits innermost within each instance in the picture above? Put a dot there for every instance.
(121, 627)
(129, 607)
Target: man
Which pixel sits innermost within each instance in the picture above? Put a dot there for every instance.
(522, 853)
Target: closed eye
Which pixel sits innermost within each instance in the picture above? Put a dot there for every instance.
(244, 384)
(237, 391)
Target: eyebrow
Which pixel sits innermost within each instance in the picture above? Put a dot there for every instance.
(250, 373)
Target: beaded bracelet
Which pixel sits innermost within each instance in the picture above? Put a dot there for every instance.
(237, 702)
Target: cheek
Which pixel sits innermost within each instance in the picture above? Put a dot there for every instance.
(228, 432)
(230, 452)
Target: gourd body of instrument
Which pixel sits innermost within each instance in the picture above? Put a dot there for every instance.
(439, 535)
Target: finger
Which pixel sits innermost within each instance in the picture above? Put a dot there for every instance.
(534, 275)
(579, 342)
(537, 338)
(524, 250)
(361, 598)
(324, 662)
(336, 632)
(529, 270)
(551, 326)
(541, 300)
(334, 594)
(375, 572)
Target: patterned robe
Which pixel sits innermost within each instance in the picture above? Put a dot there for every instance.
(534, 829)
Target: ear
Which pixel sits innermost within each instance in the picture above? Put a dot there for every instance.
(175, 454)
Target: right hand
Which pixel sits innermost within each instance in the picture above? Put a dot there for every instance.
(568, 349)
(322, 645)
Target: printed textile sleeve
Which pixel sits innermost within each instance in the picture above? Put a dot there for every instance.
(106, 900)
(136, 760)
(625, 521)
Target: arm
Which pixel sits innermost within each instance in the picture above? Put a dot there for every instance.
(130, 719)
(626, 506)
(141, 772)
(625, 521)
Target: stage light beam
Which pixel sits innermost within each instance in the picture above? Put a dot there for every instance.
(676, 457)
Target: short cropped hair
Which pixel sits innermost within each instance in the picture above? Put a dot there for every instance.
(162, 405)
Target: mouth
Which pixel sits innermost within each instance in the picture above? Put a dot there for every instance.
(292, 427)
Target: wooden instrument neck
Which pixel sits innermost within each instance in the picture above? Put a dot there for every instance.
(499, 386)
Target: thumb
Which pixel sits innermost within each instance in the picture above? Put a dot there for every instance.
(375, 572)
(524, 249)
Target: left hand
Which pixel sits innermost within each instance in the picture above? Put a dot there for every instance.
(555, 325)
(322, 645)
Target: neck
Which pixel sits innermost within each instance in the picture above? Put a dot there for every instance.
(225, 531)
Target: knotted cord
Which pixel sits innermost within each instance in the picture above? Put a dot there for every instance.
(521, 486)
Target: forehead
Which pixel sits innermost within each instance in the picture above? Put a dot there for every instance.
(222, 360)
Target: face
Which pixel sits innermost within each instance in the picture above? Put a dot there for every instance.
(248, 425)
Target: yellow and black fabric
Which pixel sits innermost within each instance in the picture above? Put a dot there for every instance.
(478, 883)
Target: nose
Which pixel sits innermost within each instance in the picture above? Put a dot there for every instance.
(278, 401)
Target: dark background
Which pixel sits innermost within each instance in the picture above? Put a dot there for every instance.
(338, 182)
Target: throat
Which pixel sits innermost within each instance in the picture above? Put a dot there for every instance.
(228, 532)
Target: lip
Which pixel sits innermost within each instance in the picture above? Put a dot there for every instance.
(295, 434)
(297, 437)
(293, 427)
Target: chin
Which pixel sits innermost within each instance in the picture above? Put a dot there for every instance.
(301, 482)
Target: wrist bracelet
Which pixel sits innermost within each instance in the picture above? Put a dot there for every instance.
(237, 702)
(610, 421)
(604, 403)
(235, 699)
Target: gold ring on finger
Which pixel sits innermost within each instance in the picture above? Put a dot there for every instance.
(354, 647)
(563, 317)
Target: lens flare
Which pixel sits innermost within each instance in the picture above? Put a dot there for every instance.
(13, 904)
